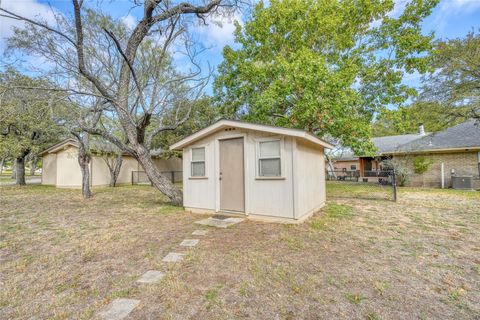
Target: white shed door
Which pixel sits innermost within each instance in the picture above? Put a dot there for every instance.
(232, 178)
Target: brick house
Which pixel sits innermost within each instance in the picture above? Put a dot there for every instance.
(453, 151)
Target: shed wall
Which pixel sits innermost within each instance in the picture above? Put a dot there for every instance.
(129, 164)
(49, 169)
(310, 188)
(268, 197)
(68, 169)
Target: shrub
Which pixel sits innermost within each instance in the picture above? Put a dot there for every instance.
(421, 164)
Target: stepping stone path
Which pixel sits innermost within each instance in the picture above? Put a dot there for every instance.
(151, 276)
(173, 257)
(189, 243)
(119, 309)
(199, 232)
(219, 221)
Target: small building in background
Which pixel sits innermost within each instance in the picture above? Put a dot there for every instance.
(259, 171)
(60, 166)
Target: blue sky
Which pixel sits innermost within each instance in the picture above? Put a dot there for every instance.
(450, 19)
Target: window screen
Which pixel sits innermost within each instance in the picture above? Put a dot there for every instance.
(269, 163)
(198, 162)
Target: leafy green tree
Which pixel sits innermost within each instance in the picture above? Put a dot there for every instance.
(26, 119)
(128, 68)
(455, 82)
(406, 119)
(323, 65)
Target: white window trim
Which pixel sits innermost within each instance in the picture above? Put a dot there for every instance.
(205, 176)
(281, 157)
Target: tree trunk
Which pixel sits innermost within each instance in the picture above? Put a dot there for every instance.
(20, 171)
(163, 184)
(14, 169)
(2, 163)
(33, 164)
(84, 161)
(330, 166)
(115, 171)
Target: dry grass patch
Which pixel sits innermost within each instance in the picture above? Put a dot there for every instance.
(63, 258)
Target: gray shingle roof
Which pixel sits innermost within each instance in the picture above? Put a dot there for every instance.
(390, 144)
(464, 135)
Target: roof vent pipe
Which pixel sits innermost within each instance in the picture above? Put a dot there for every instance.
(421, 129)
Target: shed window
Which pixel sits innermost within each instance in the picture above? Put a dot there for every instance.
(198, 162)
(353, 167)
(269, 162)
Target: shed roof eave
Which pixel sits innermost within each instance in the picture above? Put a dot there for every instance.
(249, 126)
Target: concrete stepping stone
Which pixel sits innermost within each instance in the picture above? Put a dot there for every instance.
(151, 276)
(119, 309)
(199, 232)
(219, 223)
(189, 242)
(173, 257)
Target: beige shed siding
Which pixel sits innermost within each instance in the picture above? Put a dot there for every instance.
(99, 172)
(309, 178)
(49, 169)
(267, 197)
(68, 169)
(464, 163)
(200, 192)
(172, 164)
(129, 164)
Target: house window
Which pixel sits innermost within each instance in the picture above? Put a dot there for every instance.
(269, 162)
(198, 162)
(353, 167)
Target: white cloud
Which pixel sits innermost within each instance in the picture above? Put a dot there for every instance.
(454, 7)
(28, 8)
(129, 20)
(219, 31)
(460, 5)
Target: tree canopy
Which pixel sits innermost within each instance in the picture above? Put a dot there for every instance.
(324, 66)
(455, 82)
(26, 115)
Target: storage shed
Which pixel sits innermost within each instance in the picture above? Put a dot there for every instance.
(60, 166)
(255, 170)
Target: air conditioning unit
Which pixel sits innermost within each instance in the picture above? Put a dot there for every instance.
(462, 182)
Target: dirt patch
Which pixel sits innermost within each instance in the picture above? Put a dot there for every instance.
(63, 257)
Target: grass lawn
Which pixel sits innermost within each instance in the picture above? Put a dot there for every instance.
(62, 257)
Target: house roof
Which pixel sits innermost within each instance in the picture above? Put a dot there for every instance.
(95, 145)
(60, 146)
(222, 124)
(465, 135)
(390, 144)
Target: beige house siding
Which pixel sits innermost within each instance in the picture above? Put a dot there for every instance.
(68, 169)
(263, 197)
(464, 163)
(347, 165)
(49, 169)
(309, 177)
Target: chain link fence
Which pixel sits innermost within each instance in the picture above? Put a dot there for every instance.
(366, 185)
(140, 177)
